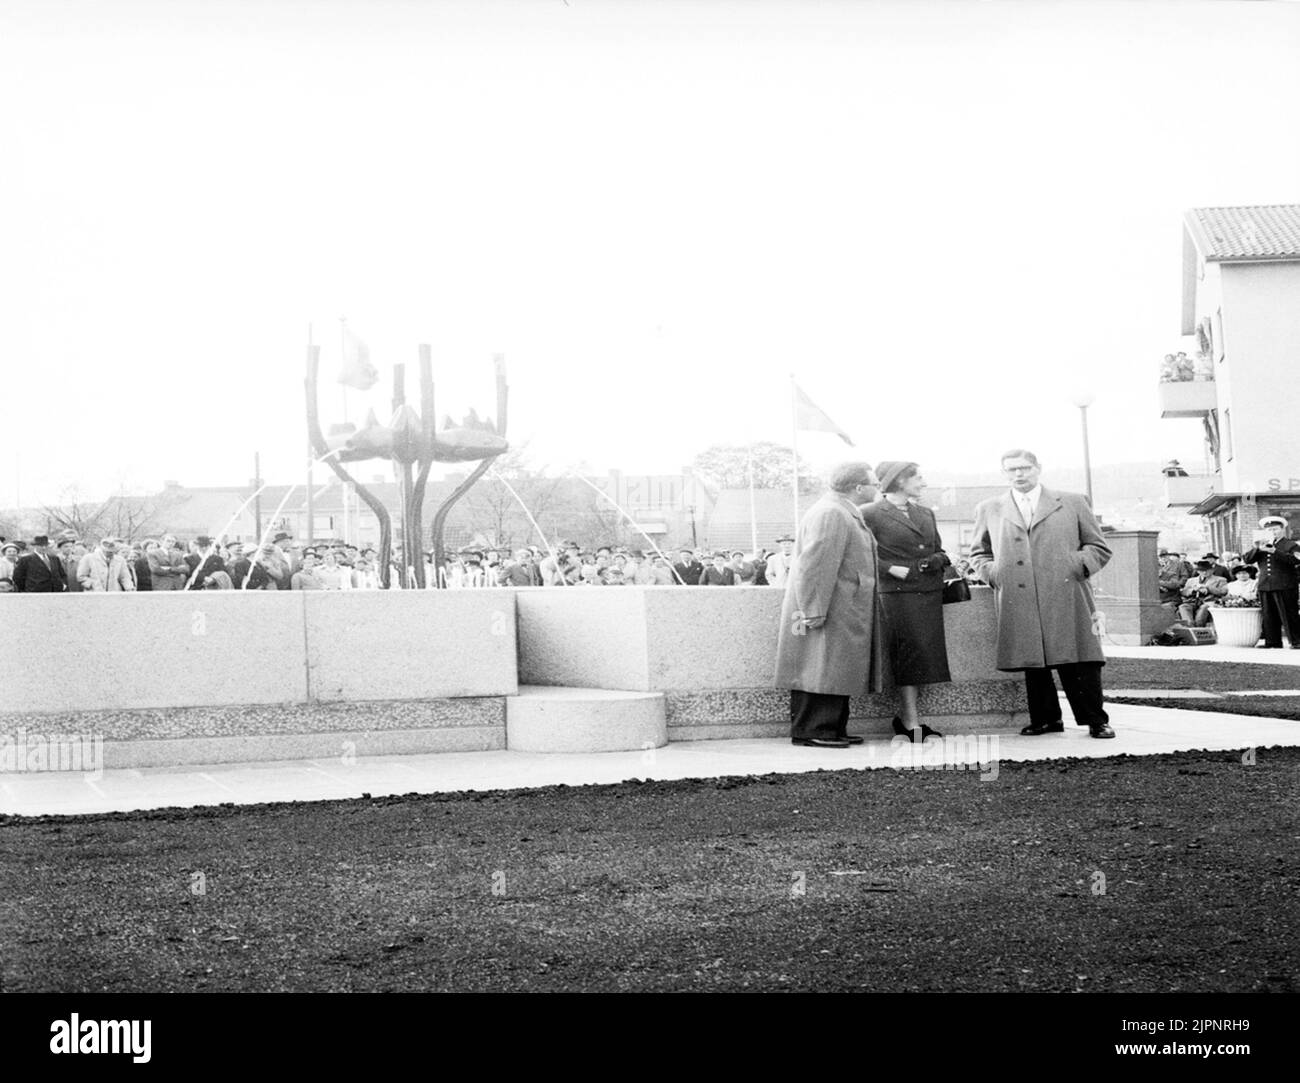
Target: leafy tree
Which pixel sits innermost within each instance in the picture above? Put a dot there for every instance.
(726, 466)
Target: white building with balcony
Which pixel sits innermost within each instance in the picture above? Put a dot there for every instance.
(1241, 299)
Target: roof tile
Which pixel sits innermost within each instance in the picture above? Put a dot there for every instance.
(1243, 234)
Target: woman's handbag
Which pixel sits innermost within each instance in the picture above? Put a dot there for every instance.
(956, 590)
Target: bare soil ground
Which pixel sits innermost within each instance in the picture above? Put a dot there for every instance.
(1157, 873)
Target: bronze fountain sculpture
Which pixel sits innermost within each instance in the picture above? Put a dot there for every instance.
(409, 440)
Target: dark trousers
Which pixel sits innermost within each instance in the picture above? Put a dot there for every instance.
(1081, 683)
(817, 714)
(1278, 608)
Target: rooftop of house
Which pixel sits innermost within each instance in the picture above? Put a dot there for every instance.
(1245, 234)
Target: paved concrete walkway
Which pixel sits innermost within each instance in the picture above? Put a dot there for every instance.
(1210, 653)
(1142, 731)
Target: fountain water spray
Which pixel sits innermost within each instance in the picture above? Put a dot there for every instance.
(495, 475)
(275, 515)
(618, 508)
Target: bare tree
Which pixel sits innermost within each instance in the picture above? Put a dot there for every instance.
(120, 516)
(77, 513)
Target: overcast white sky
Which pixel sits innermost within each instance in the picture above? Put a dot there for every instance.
(944, 218)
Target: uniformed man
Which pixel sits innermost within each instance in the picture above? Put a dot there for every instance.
(1278, 559)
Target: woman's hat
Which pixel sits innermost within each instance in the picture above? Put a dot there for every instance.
(888, 471)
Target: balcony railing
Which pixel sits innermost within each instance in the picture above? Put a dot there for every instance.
(1190, 491)
(1187, 398)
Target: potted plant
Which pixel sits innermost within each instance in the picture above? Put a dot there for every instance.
(1237, 621)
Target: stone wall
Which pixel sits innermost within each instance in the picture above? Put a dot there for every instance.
(713, 653)
(215, 676)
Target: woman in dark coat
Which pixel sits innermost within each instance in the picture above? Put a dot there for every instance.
(911, 561)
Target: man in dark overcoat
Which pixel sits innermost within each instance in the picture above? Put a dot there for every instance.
(1037, 548)
(39, 571)
(828, 645)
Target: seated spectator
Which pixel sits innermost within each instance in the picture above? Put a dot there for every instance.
(1243, 591)
(1198, 592)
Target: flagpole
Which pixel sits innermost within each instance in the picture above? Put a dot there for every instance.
(311, 457)
(343, 353)
(753, 519)
(794, 447)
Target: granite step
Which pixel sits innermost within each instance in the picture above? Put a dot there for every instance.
(557, 718)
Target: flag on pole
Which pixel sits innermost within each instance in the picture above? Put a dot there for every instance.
(357, 371)
(812, 418)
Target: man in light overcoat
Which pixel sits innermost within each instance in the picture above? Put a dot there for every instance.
(1037, 548)
(828, 645)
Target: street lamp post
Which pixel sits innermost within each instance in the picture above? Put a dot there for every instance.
(1083, 401)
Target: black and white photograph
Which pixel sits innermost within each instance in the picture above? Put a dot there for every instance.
(954, 347)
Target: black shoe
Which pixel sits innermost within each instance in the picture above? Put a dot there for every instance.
(1102, 730)
(902, 731)
(821, 742)
(853, 739)
(927, 733)
(1035, 729)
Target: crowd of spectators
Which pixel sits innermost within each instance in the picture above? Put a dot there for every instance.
(168, 563)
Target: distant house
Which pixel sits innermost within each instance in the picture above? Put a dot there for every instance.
(730, 525)
(1241, 299)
